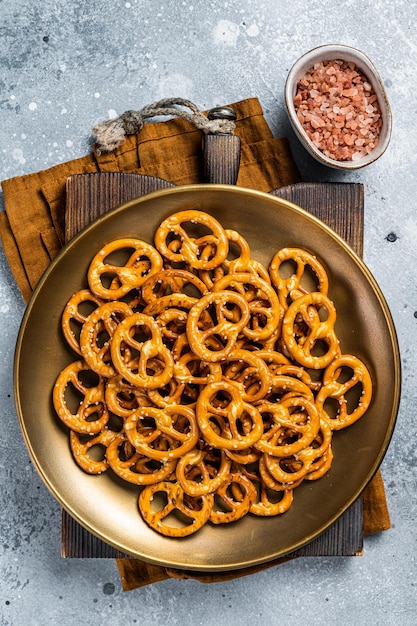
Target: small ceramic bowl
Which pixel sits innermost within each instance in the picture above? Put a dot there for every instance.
(345, 53)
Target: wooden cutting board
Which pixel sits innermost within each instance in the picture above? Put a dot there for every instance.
(340, 205)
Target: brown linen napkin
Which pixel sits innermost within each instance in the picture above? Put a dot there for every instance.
(170, 150)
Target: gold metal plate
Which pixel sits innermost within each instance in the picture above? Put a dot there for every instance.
(107, 506)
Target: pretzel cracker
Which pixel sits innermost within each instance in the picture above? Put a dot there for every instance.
(211, 383)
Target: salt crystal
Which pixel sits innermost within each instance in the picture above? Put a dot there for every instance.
(335, 95)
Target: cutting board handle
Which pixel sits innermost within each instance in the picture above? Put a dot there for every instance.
(221, 153)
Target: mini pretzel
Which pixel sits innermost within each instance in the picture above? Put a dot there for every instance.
(246, 456)
(190, 369)
(289, 471)
(143, 261)
(172, 323)
(269, 482)
(264, 307)
(175, 300)
(284, 386)
(72, 316)
(332, 388)
(91, 414)
(81, 449)
(191, 248)
(223, 329)
(148, 348)
(134, 467)
(170, 394)
(244, 263)
(236, 414)
(251, 371)
(197, 476)
(177, 422)
(170, 281)
(291, 287)
(319, 331)
(271, 503)
(297, 414)
(122, 398)
(231, 504)
(103, 321)
(321, 465)
(196, 510)
(291, 468)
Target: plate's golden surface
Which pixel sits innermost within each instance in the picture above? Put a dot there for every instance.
(107, 506)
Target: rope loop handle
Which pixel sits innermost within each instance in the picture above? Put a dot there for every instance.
(111, 134)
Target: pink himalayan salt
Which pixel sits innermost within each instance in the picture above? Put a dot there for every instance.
(339, 110)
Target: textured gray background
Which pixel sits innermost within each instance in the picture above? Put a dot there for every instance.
(67, 65)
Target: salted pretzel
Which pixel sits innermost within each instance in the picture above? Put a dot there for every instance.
(319, 331)
(223, 329)
(244, 262)
(171, 394)
(209, 382)
(90, 415)
(192, 248)
(81, 449)
(246, 368)
(237, 416)
(233, 499)
(246, 456)
(196, 510)
(297, 414)
(190, 369)
(288, 470)
(269, 482)
(73, 317)
(134, 467)
(321, 465)
(172, 323)
(122, 398)
(149, 346)
(177, 301)
(292, 287)
(264, 307)
(142, 262)
(178, 423)
(173, 280)
(284, 386)
(336, 389)
(235, 239)
(96, 332)
(198, 476)
(268, 504)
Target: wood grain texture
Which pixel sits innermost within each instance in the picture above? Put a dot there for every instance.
(92, 195)
(340, 205)
(221, 159)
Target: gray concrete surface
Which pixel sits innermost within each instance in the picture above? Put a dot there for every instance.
(65, 66)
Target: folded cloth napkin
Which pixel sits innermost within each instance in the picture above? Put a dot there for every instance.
(170, 150)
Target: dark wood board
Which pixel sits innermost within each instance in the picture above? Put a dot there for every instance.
(339, 205)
